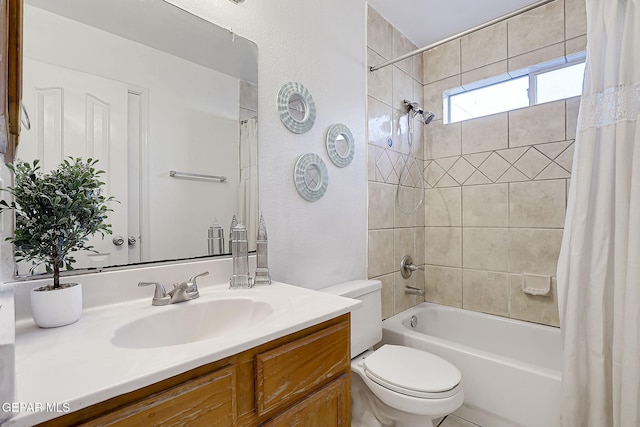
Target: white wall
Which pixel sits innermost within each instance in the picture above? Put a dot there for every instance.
(322, 46)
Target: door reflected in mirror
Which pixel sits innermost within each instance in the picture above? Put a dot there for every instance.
(146, 88)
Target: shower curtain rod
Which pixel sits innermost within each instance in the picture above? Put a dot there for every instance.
(462, 34)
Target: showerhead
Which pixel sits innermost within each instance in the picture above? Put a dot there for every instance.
(414, 109)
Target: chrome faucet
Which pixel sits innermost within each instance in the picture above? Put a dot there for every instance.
(179, 293)
(193, 286)
(160, 296)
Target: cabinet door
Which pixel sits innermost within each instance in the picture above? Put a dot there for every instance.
(205, 401)
(328, 407)
(291, 371)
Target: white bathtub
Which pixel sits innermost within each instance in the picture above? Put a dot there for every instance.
(511, 370)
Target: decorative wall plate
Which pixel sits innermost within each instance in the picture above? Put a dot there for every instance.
(296, 107)
(340, 145)
(311, 177)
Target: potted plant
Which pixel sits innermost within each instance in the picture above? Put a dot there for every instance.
(55, 214)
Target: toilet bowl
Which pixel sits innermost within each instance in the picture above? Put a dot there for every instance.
(393, 385)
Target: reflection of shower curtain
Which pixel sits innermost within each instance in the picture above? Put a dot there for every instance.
(248, 191)
(599, 266)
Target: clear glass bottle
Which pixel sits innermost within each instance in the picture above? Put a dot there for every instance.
(240, 258)
(262, 269)
(215, 239)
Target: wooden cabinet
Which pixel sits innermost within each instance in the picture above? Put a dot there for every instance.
(303, 379)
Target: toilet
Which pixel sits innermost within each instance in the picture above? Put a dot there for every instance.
(393, 385)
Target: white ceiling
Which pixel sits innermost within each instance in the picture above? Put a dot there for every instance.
(428, 21)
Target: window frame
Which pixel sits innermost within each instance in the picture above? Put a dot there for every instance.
(531, 72)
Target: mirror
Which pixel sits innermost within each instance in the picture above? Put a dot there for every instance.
(311, 177)
(296, 107)
(340, 145)
(168, 104)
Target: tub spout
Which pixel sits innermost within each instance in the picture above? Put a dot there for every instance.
(410, 290)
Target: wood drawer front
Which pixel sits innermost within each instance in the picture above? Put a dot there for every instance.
(330, 406)
(290, 371)
(208, 400)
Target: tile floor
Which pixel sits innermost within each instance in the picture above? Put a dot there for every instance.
(453, 421)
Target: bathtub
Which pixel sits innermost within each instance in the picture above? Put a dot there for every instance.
(511, 370)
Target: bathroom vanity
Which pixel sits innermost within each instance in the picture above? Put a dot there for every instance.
(274, 355)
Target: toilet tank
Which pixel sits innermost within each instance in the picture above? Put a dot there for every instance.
(366, 320)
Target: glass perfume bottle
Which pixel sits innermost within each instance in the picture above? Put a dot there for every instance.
(262, 269)
(240, 258)
(215, 239)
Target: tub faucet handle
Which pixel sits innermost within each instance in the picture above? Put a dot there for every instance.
(407, 267)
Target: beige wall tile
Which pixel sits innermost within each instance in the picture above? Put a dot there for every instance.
(443, 207)
(433, 94)
(534, 308)
(573, 106)
(443, 285)
(537, 204)
(402, 300)
(492, 72)
(419, 253)
(404, 241)
(402, 45)
(419, 213)
(380, 83)
(402, 88)
(535, 57)
(575, 19)
(540, 27)
(442, 62)
(387, 295)
(371, 163)
(418, 68)
(404, 217)
(576, 45)
(484, 47)
(443, 246)
(485, 291)
(485, 205)
(537, 124)
(534, 251)
(379, 34)
(380, 252)
(485, 248)
(442, 140)
(379, 117)
(381, 202)
(485, 133)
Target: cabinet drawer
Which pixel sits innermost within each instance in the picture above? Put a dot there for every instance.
(290, 371)
(208, 400)
(330, 406)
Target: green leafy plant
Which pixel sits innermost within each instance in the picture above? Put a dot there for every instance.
(56, 212)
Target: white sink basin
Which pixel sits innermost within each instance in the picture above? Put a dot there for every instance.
(191, 321)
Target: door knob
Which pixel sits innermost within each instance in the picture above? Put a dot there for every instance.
(118, 240)
(132, 241)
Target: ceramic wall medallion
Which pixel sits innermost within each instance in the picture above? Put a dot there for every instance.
(311, 177)
(340, 145)
(296, 107)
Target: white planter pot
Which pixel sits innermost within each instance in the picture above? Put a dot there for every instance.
(58, 307)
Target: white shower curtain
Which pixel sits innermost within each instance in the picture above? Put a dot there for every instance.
(599, 265)
(247, 210)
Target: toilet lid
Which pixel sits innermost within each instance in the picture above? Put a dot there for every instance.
(412, 372)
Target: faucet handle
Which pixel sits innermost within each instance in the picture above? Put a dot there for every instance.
(160, 294)
(193, 286)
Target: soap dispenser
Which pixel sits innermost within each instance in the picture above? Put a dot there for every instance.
(262, 269)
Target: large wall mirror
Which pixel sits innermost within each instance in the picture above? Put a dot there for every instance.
(147, 88)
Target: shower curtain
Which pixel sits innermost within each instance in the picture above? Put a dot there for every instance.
(599, 265)
(247, 210)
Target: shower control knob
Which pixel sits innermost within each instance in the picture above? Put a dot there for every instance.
(118, 240)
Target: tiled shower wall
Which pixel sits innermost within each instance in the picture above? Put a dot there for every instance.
(496, 186)
(392, 233)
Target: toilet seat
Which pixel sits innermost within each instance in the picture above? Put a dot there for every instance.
(412, 372)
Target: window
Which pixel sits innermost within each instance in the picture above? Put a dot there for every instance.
(536, 87)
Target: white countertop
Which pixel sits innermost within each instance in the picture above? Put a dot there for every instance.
(78, 365)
